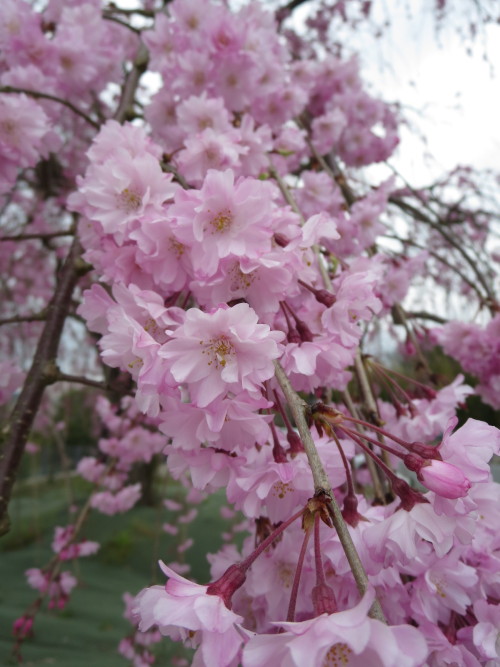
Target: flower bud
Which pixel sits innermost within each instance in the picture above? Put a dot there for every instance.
(324, 600)
(444, 479)
(228, 584)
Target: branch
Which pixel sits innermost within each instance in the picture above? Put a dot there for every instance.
(378, 490)
(15, 433)
(322, 486)
(284, 12)
(78, 379)
(41, 236)
(112, 9)
(35, 317)
(444, 261)
(399, 317)
(115, 19)
(424, 315)
(46, 96)
(418, 215)
(125, 106)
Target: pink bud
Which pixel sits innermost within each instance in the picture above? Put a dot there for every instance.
(228, 584)
(22, 627)
(444, 479)
(324, 600)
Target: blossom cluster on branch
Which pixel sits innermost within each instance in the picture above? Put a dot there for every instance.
(234, 269)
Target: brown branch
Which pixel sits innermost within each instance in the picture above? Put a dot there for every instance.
(284, 12)
(16, 319)
(78, 379)
(15, 434)
(422, 217)
(372, 468)
(41, 236)
(46, 96)
(444, 261)
(125, 107)
(115, 19)
(424, 315)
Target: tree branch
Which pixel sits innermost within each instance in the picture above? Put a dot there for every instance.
(322, 486)
(78, 379)
(16, 319)
(422, 217)
(41, 236)
(424, 315)
(15, 433)
(46, 96)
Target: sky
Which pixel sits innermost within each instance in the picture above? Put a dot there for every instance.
(451, 96)
(448, 95)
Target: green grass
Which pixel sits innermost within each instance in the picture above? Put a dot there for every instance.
(87, 632)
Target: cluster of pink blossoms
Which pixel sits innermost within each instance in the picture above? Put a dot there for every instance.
(217, 276)
(227, 244)
(478, 351)
(128, 442)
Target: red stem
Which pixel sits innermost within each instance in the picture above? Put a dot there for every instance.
(377, 443)
(320, 574)
(296, 580)
(269, 540)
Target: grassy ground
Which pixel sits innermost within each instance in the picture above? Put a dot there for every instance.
(88, 630)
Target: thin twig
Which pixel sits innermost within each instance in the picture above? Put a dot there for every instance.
(41, 236)
(16, 319)
(46, 96)
(378, 490)
(422, 217)
(78, 379)
(424, 315)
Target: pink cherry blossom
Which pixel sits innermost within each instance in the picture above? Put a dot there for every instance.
(224, 218)
(471, 447)
(185, 609)
(349, 637)
(220, 351)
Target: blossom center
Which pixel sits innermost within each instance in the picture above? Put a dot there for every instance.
(285, 573)
(439, 584)
(240, 280)
(203, 123)
(337, 656)
(129, 201)
(9, 127)
(67, 62)
(176, 247)
(222, 221)
(218, 351)
(151, 327)
(280, 489)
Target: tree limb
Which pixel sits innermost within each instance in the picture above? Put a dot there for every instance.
(46, 96)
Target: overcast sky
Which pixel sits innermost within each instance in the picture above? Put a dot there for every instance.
(451, 96)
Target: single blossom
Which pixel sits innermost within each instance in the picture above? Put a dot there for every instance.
(225, 350)
(344, 638)
(188, 611)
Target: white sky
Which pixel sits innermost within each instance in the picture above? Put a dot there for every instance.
(449, 97)
(453, 98)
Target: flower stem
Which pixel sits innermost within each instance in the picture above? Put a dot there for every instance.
(290, 617)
